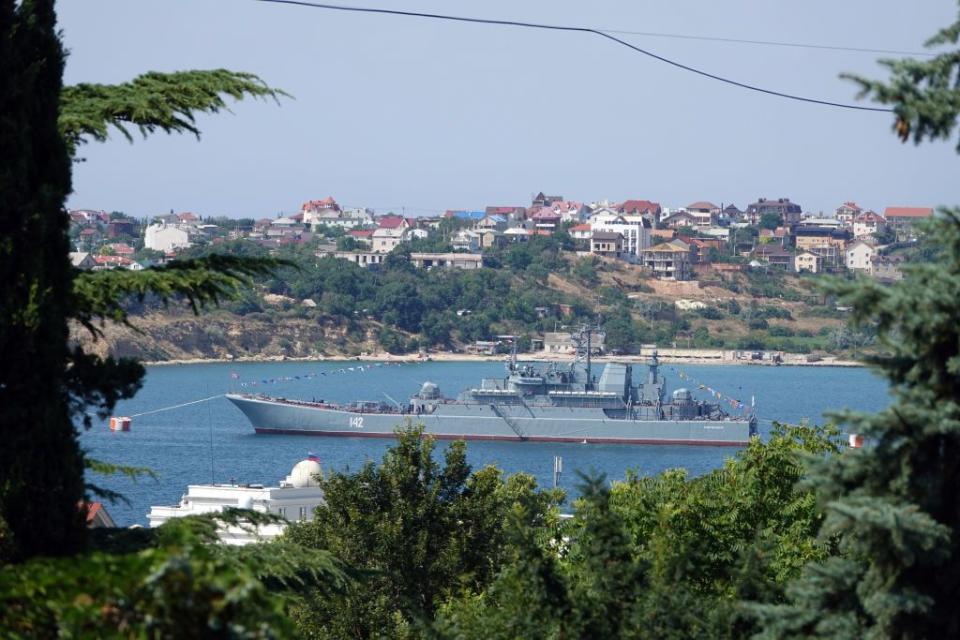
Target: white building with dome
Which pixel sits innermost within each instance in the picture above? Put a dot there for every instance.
(295, 499)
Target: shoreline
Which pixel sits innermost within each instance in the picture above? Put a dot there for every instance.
(666, 356)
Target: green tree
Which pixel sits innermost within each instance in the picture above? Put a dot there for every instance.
(419, 531)
(892, 504)
(770, 221)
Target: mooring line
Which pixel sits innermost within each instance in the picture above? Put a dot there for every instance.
(177, 406)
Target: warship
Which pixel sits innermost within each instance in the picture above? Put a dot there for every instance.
(537, 403)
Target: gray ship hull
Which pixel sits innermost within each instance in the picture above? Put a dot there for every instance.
(455, 421)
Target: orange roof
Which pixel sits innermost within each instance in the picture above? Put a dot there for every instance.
(908, 212)
(580, 227)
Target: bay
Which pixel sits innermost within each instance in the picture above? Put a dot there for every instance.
(212, 441)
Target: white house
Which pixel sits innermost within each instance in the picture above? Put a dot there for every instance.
(635, 232)
(808, 261)
(164, 237)
(295, 499)
(859, 256)
(868, 223)
(386, 239)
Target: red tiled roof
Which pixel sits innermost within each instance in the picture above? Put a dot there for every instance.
(908, 212)
(869, 216)
(92, 509)
(852, 205)
(639, 205)
(702, 204)
(580, 227)
(546, 214)
(390, 222)
(360, 233)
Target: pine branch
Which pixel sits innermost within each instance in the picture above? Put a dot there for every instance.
(100, 295)
(925, 94)
(153, 101)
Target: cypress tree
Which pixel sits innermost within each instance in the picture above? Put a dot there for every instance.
(41, 465)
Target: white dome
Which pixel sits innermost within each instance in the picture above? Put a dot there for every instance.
(245, 502)
(302, 474)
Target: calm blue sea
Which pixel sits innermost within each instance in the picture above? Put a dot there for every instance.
(214, 441)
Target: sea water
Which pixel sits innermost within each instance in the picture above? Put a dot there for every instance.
(213, 442)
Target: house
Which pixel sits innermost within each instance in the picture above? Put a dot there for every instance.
(365, 259)
(562, 342)
(82, 260)
(516, 234)
(606, 243)
(447, 260)
(122, 227)
(296, 498)
(386, 239)
(120, 249)
(859, 256)
(902, 219)
(494, 221)
(464, 240)
(164, 237)
(732, 213)
(652, 210)
(104, 262)
(490, 238)
(580, 232)
(546, 219)
(706, 214)
(510, 213)
(846, 213)
(806, 238)
(887, 268)
(669, 260)
(808, 261)
(774, 255)
(868, 223)
(679, 220)
(634, 229)
(363, 236)
(789, 212)
(97, 516)
(542, 200)
(570, 211)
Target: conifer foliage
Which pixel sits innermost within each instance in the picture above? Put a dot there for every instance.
(46, 386)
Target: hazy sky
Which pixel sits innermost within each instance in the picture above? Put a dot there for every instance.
(396, 112)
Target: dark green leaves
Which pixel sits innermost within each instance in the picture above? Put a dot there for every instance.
(153, 101)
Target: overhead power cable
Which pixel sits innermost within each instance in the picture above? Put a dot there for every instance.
(771, 43)
(602, 34)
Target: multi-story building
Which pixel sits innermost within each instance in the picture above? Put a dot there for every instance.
(847, 212)
(669, 260)
(789, 212)
(705, 213)
(808, 261)
(606, 243)
(859, 256)
(868, 223)
(902, 219)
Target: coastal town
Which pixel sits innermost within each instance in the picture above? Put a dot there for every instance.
(705, 282)
(671, 243)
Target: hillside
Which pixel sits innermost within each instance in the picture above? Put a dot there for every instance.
(331, 308)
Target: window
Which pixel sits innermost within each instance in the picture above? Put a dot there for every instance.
(282, 511)
(303, 513)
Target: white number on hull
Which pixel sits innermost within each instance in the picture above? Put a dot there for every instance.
(357, 422)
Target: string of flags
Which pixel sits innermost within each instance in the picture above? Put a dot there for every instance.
(733, 402)
(317, 374)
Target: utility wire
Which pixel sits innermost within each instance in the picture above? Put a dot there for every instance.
(770, 43)
(602, 34)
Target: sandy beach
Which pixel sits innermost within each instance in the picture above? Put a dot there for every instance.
(666, 356)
